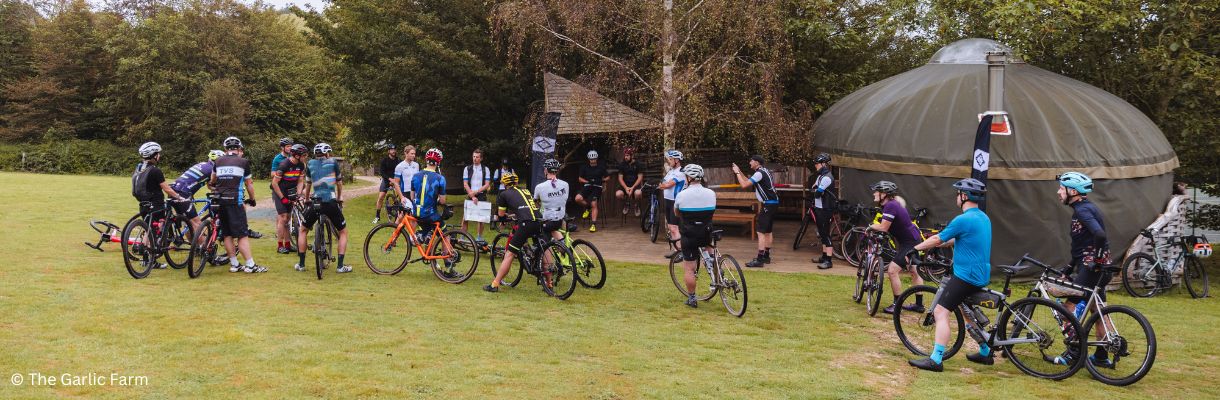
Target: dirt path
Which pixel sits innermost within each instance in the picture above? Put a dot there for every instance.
(266, 209)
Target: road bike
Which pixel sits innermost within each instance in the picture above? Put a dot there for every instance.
(724, 277)
(324, 236)
(840, 224)
(549, 260)
(652, 218)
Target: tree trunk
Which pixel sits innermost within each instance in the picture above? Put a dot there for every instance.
(668, 101)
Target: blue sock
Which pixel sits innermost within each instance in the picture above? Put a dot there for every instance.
(938, 353)
(984, 350)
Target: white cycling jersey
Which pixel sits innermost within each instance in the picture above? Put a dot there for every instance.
(553, 194)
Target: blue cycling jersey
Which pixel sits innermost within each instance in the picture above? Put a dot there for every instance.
(972, 250)
(428, 186)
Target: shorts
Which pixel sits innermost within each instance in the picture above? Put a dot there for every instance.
(1087, 277)
(280, 207)
(670, 217)
(591, 192)
(185, 208)
(385, 185)
(824, 217)
(765, 219)
(332, 212)
(953, 291)
(233, 221)
(549, 227)
(427, 223)
(694, 236)
(522, 232)
(902, 261)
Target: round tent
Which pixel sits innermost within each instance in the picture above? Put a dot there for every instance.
(917, 129)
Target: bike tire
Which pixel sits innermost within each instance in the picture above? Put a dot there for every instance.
(590, 266)
(874, 285)
(677, 275)
(462, 257)
(1142, 276)
(837, 237)
(203, 246)
(1122, 343)
(849, 247)
(1055, 320)
(644, 217)
(498, 248)
(382, 247)
(559, 275)
(1194, 277)
(917, 331)
(858, 293)
(800, 232)
(136, 255)
(173, 254)
(655, 229)
(732, 287)
(322, 244)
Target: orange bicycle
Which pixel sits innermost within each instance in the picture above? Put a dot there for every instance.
(452, 254)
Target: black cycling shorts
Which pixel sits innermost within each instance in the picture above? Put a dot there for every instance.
(233, 221)
(591, 192)
(1086, 277)
(694, 236)
(332, 212)
(765, 219)
(185, 208)
(823, 218)
(953, 291)
(670, 217)
(385, 185)
(522, 232)
(280, 207)
(550, 227)
(902, 250)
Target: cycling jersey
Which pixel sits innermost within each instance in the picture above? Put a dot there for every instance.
(553, 194)
(231, 173)
(193, 179)
(476, 176)
(1088, 231)
(428, 186)
(823, 189)
(500, 173)
(323, 176)
(277, 160)
(593, 174)
(404, 172)
(764, 186)
(290, 175)
(901, 227)
(386, 168)
(630, 171)
(972, 250)
(520, 203)
(675, 175)
(696, 205)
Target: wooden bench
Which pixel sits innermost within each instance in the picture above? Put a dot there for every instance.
(730, 207)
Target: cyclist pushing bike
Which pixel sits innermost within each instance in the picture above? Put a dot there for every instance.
(326, 184)
(528, 224)
(1090, 248)
(694, 207)
(971, 234)
(285, 180)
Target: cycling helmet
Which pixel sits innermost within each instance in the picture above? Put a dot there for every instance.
(1203, 250)
(628, 151)
(232, 142)
(1075, 180)
(214, 154)
(592, 155)
(551, 164)
(510, 179)
(822, 158)
(694, 171)
(285, 142)
(298, 149)
(974, 189)
(383, 145)
(150, 149)
(885, 187)
(434, 156)
(673, 153)
(321, 148)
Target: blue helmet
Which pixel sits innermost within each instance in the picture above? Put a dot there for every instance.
(1075, 180)
(974, 189)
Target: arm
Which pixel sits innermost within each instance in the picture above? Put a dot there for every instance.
(883, 226)
(622, 183)
(741, 178)
(212, 181)
(169, 191)
(933, 241)
(639, 181)
(275, 183)
(250, 186)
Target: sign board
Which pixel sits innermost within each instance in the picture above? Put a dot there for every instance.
(477, 212)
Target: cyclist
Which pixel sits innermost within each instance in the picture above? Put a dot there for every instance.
(764, 190)
(594, 177)
(672, 184)
(630, 180)
(232, 182)
(386, 171)
(1090, 249)
(528, 225)
(695, 206)
(191, 180)
(281, 225)
(971, 234)
(553, 196)
(326, 185)
(284, 180)
(148, 182)
(823, 206)
(476, 179)
(428, 191)
(403, 174)
(504, 169)
(897, 221)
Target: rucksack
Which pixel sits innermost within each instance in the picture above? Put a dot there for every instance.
(139, 183)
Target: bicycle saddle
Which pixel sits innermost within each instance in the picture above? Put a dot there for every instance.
(717, 235)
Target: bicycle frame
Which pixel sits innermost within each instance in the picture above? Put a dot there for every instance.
(1094, 304)
(409, 223)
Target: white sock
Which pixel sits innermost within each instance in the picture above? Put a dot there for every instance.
(233, 261)
(250, 262)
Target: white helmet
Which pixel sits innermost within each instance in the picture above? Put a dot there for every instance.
(147, 150)
(232, 142)
(673, 153)
(214, 154)
(694, 171)
(592, 154)
(321, 148)
(1203, 250)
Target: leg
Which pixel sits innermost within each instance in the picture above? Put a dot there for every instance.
(689, 276)
(893, 272)
(503, 269)
(281, 230)
(593, 209)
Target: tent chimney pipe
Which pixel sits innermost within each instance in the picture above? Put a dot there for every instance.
(995, 79)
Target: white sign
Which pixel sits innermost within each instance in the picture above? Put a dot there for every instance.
(981, 160)
(543, 144)
(477, 212)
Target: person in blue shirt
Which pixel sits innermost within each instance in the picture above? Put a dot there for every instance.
(428, 191)
(970, 233)
(325, 186)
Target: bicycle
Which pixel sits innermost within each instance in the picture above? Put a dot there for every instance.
(1056, 283)
(652, 218)
(323, 237)
(724, 273)
(1028, 337)
(1146, 275)
(838, 225)
(589, 265)
(548, 260)
(207, 241)
(145, 239)
(850, 243)
(870, 276)
(388, 248)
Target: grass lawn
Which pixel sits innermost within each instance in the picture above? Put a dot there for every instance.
(71, 310)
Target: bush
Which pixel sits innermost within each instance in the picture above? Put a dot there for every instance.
(68, 157)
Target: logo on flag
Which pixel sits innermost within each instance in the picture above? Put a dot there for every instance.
(544, 144)
(981, 159)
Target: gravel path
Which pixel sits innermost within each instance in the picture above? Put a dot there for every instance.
(266, 209)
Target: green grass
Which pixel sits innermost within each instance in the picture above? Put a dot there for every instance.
(284, 334)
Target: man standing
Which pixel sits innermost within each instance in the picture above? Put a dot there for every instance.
(1090, 250)
(594, 176)
(764, 190)
(504, 169)
(403, 174)
(823, 206)
(233, 183)
(695, 207)
(281, 223)
(284, 181)
(386, 170)
(672, 184)
(476, 179)
(326, 185)
(630, 179)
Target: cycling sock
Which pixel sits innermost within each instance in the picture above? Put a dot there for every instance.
(250, 262)
(767, 253)
(378, 213)
(919, 299)
(233, 261)
(896, 299)
(340, 260)
(938, 353)
(762, 253)
(1101, 354)
(984, 350)
(301, 255)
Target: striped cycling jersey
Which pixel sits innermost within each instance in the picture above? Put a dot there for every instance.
(764, 186)
(696, 204)
(193, 179)
(428, 186)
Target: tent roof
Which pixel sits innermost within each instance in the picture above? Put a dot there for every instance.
(922, 122)
(585, 111)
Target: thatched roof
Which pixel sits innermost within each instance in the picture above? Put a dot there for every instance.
(585, 111)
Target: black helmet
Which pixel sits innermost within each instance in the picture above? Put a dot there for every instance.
(285, 142)
(551, 164)
(886, 187)
(974, 189)
(822, 158)
(298, 149)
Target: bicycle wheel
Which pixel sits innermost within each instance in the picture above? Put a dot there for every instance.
(1195, 278)
(677, 274)
(655, 225)
(203, 247)
(498, 249)
(387, 250)
(590, 266)
(1142, 277)
(732, 286)
(1129, 341)
(800, 232)
(322, 244)
(849, 247)
(557, 270)
(858, 294)
(294, 226)
(645, 219)
(137, 255)
(837, 235)
(178, 252)
(874, 285)
(931, 273)
(1047, 331)
(917, 331)
(461, 257)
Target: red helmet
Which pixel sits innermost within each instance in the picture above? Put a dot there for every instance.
(434, 156)
(628, 151)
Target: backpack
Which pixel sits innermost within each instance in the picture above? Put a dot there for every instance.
(139, 183)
